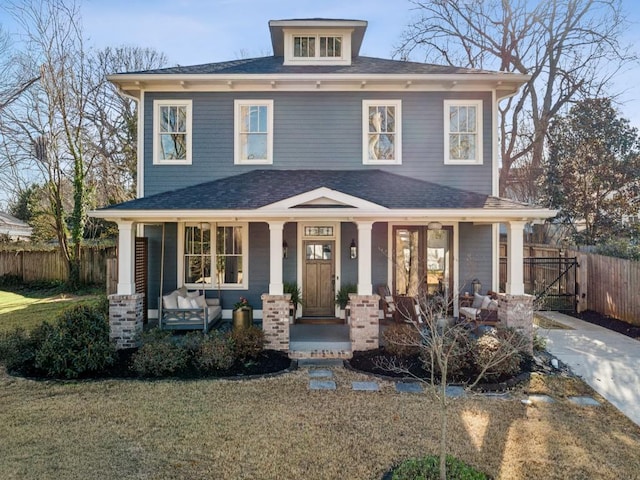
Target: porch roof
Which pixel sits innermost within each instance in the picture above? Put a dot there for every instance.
(366, 191)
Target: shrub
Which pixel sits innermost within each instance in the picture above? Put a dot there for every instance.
(455, 346)
(539, 343)
(159, 355)
(402, 340)
(428, 468)
(215, 353)
(499, 352)
(77, 343)
(17, 350)
(247, 342)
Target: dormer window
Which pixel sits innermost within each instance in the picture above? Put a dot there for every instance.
(305, 47)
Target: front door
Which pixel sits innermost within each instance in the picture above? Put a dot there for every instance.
(319, 279)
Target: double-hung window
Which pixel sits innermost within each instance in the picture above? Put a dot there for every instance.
(215, 255)
(463, 132)
(172, 132)
(254, 131)
(381, 132)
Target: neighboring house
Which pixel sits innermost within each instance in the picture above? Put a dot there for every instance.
(13, 228)
(256, 172)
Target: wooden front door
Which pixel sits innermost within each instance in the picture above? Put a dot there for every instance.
(319, 280)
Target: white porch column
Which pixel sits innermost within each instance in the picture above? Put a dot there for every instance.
(126, 264)
(515, 269)
(276, 286)
(364, 258)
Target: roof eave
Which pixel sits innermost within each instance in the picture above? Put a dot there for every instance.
(484, 215)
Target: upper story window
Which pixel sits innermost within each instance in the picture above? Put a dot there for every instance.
(302, 47)
(305, 46)
(381, 132)
(254, 131)
(214, 255)
(172, 132)
(463, 132)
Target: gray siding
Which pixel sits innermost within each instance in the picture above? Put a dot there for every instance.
(290, 264)
(318, 130)
(379, 254)
(154, 234)
(349, 266)
(476, 254)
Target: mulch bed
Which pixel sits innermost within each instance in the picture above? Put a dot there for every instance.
(609, 322)
(369, 362)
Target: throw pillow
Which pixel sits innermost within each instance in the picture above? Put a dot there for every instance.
(485, 302)
(201, 302)
(493, 305)
(182, 291)
(170, 301)
(184, 302)
(477, 300)
(193, 294)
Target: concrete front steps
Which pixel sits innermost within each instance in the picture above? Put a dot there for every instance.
(319, 341)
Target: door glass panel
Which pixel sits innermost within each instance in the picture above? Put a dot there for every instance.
(318, 251)
(407, 265)
(438, 262)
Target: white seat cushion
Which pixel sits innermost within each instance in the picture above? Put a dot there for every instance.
(470, 312)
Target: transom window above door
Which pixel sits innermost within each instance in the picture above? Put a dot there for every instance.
(254, 131)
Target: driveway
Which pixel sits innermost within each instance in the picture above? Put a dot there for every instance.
(608, 361)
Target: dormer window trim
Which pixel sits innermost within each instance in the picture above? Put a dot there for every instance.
(310, 42)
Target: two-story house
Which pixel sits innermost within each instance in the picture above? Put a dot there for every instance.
(322, 167)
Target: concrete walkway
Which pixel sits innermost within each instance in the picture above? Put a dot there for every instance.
(608, 361)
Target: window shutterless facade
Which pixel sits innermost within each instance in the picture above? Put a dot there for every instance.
(381, 132)
(463, 132)
(172, 127)
(254, 131)
(214, 255)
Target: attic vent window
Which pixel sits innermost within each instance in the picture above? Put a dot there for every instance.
(330, 46)
(304, 47)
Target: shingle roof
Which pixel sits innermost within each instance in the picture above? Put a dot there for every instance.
(274, 65)
(259, 188)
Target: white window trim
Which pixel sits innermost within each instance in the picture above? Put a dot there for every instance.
(156, 131)
(238, 160)
(365, 131)
(214, 285)
(479, 114)
(290, 59)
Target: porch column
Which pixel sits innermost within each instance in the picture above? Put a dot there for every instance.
(364, 258)
(515, 269)
(276, 286)
(126, 264)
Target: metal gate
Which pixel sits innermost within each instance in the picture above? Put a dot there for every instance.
(552, 280)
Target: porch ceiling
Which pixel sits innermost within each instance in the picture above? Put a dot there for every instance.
(295, 194)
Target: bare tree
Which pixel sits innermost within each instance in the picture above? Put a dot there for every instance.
(571, 49)
(444, 347)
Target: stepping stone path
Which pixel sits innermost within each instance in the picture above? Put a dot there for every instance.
(585, 401)
(322, 379)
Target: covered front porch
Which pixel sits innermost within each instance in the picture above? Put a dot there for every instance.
(363, 228)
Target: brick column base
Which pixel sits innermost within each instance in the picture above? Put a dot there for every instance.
(364, 329)
(516, 311)
(125, 319)
(275, 321)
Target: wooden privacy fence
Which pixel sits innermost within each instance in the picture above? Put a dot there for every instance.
(606, 285)
(612, 286)
(50, 266)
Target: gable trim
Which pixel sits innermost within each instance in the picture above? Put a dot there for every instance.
(336, 197)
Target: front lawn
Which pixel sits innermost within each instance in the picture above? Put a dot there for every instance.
(277, 428)
(29, 308)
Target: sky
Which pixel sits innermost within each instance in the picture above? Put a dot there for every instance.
(190, 32)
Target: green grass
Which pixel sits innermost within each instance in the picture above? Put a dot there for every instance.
(29, 308)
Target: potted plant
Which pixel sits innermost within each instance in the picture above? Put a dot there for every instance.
(242, 314)
(293, 289)
(342, 297)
